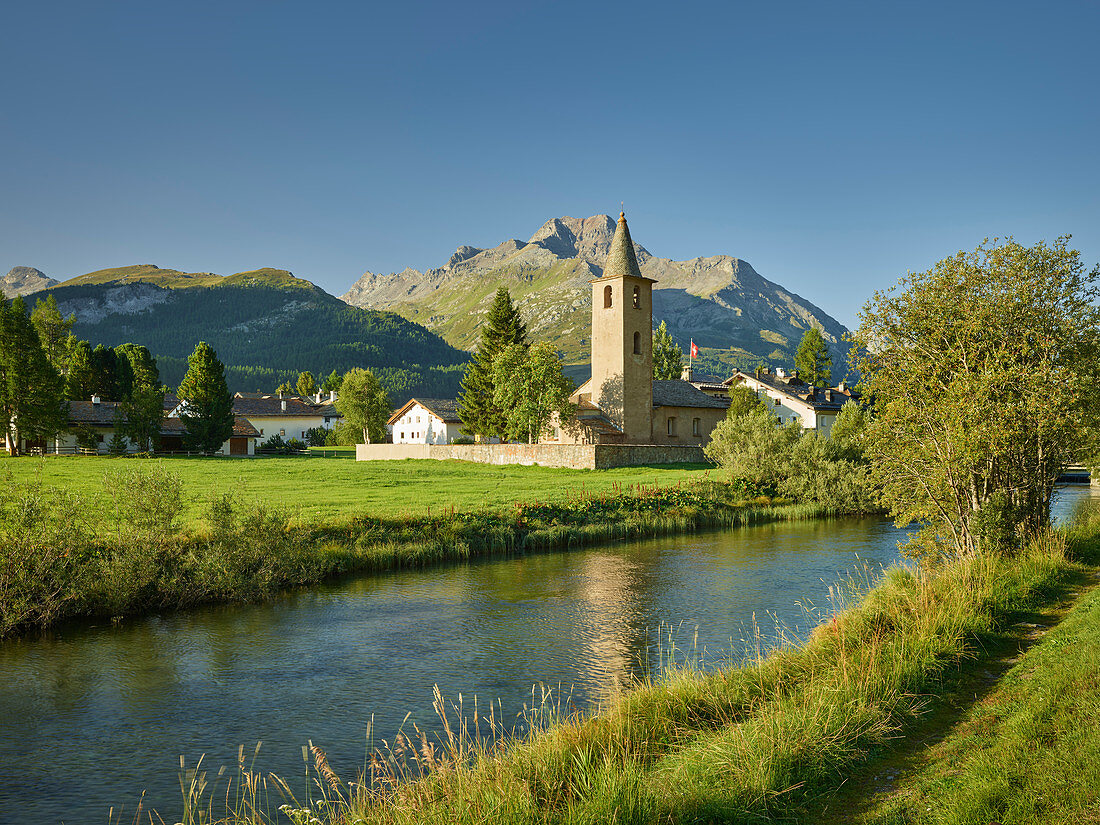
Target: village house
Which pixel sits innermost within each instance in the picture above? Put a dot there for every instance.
(287, 417)
(426, 421)
(97, 420)
(791, 399)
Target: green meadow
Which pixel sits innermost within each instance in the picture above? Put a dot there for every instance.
(317, 489)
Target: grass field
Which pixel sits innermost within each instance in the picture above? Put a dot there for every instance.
(319, 488)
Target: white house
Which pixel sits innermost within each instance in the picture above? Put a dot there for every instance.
(285, 417)
(790, 398)
(426, 421)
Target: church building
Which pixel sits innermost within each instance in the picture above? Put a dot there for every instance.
(621, 403)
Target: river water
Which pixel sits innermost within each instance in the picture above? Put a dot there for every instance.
(92, 716)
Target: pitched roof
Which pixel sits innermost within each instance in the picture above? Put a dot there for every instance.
(621, 259)
(679, 393)
(273, 406)
(85, 412)
(243, 427)
(827, 399)
(445, 409)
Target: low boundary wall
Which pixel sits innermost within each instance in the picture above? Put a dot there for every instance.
(575, 456)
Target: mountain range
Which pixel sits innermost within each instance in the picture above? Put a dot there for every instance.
(266, 326)
(737, 316)
(414, 328)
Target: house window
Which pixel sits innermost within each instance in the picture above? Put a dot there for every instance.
(672, 425)
(607, 297)
(696, 427)
(637, 343)
(637, 298)
(282, 432)
(402, 435)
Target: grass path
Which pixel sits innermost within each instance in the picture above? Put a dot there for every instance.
(1014, 737)
(325, 488)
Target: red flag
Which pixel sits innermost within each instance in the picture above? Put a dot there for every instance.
(694, 350)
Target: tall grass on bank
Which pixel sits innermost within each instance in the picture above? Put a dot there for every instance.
(63, 556)
(755, 743)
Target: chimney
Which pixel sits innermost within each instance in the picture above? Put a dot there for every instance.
(317, 397)
(686, 374)
(843, 387)
(280, 393)
(828, 395)
(96, 399)
(780, 372)
(282, 403)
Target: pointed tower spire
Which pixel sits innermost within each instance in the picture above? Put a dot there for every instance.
(621, 259)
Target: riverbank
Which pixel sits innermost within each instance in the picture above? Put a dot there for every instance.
(767, 741)
(62, 559)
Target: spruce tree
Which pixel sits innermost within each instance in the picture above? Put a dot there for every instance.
(668, 358)
(53, 331)
(143, 402)
(208, 416)
(812, 360)
(32, 399)
(476, 406)
(105, 373)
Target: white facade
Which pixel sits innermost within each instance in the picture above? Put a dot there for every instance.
(419, 425)
(787, 408)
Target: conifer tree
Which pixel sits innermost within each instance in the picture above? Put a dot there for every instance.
(32, 401)
(332, 383)
(477, 408)
(208, 415)
(54, 332)
(306, 384)
(812, 360)
(668, 358)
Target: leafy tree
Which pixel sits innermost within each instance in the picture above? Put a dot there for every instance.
(364, 405)
(530, 389)
(144, 413)
(79, 380)
(743, 400)
(668, 358)
(32, 398)
(812, 359)
(306, 384)
(141, 368)
(208, 406)
(285, 389)
(477, 408)
(986, 382)
(332, 383)
(753, 447)
(54, 331)
(850, 430)
(104, 365)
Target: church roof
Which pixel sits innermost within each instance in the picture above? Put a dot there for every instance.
(621, 259)
(678, 393)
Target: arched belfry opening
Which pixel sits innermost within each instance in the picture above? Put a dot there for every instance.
(637, 298)
(607, 297)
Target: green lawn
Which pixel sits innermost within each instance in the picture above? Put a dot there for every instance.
(1027, 753)
(320, 488)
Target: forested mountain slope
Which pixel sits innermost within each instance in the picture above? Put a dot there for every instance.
(265, 325)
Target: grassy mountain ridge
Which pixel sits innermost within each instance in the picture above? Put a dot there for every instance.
(266, 326)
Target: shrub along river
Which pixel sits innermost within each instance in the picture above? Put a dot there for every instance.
(92, 715)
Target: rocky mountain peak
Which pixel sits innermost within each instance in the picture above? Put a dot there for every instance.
(23, 280)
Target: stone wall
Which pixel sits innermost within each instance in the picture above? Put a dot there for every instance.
(576, 456)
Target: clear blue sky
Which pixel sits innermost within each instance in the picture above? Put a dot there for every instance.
(833, 146)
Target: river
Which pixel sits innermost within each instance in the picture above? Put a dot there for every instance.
(93, 715)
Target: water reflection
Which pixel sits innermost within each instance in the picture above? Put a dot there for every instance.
(91, 716)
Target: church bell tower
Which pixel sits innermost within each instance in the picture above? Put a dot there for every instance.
(622, 340)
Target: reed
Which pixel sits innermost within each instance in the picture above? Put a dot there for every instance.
(60, 560)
